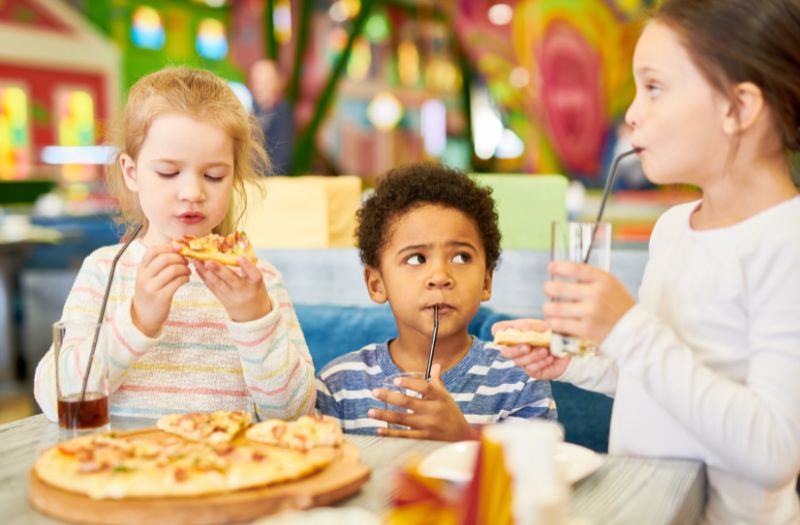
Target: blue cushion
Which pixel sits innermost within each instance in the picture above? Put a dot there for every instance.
(586, 416)
(333, 330)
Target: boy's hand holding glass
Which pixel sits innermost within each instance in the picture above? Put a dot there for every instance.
(243, 294)
(161, 272)
(536, 361)
(590, 300)
(433, 416)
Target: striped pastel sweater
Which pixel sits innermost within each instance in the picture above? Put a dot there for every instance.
(201, 360)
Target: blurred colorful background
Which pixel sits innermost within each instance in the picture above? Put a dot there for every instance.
(532, 90)
(534, 86)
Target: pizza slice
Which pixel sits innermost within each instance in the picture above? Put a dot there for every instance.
(306, 433)
(206, 427)
(512, 336)
(223, 249)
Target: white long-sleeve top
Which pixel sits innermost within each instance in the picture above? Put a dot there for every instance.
(707, 364)
(201, 360)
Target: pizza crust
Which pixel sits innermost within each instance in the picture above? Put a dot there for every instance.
(512, 336)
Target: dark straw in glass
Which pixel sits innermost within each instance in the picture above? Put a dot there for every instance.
(433, 342)
(609, 184)
(100, 318)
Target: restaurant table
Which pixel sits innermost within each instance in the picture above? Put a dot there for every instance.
(624, 490)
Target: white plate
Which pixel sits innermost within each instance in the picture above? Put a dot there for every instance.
(456, 461)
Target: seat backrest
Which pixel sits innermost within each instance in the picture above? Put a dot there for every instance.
(344, 199)
(303, 212)
(526, 205)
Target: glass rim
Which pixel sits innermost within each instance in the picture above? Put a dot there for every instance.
(587, 223)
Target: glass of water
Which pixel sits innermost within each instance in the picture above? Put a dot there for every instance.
(579, 242)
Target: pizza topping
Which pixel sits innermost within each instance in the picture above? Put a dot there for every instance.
(278, 430)
(89, 467)
(305, 433)
(208, 427)
(224, 249)
(181, 475)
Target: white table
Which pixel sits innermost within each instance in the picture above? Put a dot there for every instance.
(623, 490)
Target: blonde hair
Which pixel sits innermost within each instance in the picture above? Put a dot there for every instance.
(201, 95)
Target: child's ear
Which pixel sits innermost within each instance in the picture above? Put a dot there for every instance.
(486, 293)
(375, 285)
(128, 167)
(747, 104)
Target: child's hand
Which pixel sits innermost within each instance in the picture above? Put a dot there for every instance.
(243, 295)
(537, 362)
(161, 272)
(589, 306)
(435, 416)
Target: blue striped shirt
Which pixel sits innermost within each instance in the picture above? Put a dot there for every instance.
(487, 387)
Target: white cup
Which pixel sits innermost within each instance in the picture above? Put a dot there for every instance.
(540, 494)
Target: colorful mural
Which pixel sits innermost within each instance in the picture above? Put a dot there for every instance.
(560, 71)
(14, 132)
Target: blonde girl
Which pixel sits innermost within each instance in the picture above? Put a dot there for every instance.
(185, 335)
(706, 364)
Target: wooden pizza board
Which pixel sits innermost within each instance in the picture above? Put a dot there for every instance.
(342, 478)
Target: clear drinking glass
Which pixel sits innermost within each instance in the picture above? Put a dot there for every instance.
(571, 241)
(72, 347)
(388, 384)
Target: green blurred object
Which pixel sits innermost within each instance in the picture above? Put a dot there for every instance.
(526, 207)
(23, 191)
(377, 28)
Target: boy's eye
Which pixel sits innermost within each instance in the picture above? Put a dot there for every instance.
(462, 258)
(166, 174)
(416, 260)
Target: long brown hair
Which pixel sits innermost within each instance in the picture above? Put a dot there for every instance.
(203, 96)
(734, 41)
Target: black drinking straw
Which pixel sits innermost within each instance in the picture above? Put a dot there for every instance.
(609, 184)
(133, 235)
(433, 342)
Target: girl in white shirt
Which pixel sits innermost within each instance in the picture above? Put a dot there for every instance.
(706, 364)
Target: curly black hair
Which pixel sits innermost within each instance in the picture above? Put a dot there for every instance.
(412, 185)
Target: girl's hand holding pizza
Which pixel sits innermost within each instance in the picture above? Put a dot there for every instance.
(243, 295)
(161, 272)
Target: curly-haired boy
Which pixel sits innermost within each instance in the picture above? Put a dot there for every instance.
(428, 238)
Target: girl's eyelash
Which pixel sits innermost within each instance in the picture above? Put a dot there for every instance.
(650, 86)
(162, 174)
(214, 179)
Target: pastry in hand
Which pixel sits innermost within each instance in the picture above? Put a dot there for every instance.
(512, 336)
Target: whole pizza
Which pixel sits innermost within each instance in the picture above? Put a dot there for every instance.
(187, 455)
